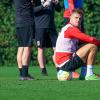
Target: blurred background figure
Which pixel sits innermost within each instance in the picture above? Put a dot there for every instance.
(25, 33)
(45, 29)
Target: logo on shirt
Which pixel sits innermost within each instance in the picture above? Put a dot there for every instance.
(38, 43)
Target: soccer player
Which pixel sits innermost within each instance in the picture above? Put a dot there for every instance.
(45, 29)
(68, 57)
(69, 5)
(25, 33)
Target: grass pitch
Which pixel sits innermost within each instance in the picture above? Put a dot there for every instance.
(45, 87)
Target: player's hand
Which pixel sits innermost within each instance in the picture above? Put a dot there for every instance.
(55, 1)
(46, 4)
(42, 1)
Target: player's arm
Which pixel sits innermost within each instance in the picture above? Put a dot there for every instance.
(76, 33)
(38, 8)
(66, 4)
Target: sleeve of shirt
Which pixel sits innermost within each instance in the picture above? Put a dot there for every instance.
(38, 8)
(73, 32)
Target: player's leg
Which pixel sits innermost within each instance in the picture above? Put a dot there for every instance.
(40, 41)
(25, 64)
(26, 55)
(53, 37)
(53, 57)
(40, 57)
(88, 53)
(28, 43)
(19, 59)
(19, 56)
(20, 50)
(41, 61)
(66, 70)
(25, 41)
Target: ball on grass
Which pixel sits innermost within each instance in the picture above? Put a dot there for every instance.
(64, 75)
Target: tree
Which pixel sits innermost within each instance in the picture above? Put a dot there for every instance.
(8, 43)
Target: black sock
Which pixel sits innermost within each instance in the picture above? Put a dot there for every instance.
(57, 68)
(24, 70)
(44, 70)
(20, 71)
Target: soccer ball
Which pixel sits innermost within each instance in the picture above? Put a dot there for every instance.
(64, 75)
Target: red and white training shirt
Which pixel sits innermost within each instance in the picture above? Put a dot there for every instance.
(67, 43)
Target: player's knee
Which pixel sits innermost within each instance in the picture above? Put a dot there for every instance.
(93, 46)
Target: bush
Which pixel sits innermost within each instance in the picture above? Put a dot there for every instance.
(7, 33)
(92, 19)
(8, 43)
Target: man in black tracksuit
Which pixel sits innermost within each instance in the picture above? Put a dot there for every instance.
(25, 34)
(45, 29)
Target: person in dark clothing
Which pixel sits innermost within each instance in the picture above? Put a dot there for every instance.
(45, 29)
(25, 34)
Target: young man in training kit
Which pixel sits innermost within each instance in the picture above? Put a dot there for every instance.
(68, 57)
(25, 33)
(45, 30)
(69, 5)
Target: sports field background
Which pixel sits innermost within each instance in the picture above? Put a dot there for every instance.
(45, 87)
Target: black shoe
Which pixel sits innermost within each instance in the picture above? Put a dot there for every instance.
(28, 77)
(44, 72)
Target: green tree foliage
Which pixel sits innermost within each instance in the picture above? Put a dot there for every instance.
(8, 43)
(92, 19)
(7, 32)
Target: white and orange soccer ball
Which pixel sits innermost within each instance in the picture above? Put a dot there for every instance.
(64, 75)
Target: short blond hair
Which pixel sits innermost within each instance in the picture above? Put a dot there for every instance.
(79, 11)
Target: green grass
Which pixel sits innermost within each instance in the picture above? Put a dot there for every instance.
(45, 87)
